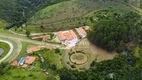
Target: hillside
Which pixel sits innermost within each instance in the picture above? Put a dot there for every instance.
(74, 8)
(18, 12)
(69, 14)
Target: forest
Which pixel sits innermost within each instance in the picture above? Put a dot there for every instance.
(114, 32)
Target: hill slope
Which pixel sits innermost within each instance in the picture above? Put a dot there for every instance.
(18, 11)
(73, 13)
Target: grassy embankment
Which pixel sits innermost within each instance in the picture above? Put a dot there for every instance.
(71, 14)
(5, 47)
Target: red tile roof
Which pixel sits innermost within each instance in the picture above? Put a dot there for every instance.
(82, 31)
(67, 35)
(41, 37)
(30, 59)
(48, 47)
(73, 34)
(33, 49)
(14, 63)
(61, 35)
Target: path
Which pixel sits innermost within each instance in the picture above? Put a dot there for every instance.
(18, 44)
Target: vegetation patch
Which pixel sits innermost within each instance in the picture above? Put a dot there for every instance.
(4, 49)
(115, 31)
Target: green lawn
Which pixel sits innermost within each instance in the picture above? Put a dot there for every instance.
(51, 58)
(52, 61)
(32, 73)
(6, 48)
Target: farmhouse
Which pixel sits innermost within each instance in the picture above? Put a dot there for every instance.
(68, 38)
(41, 37)
(29, 60)
(33, 49)
(81, 32)
(24, 61)
(14, 63)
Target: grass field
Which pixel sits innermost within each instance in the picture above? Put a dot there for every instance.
(32, 73)
(51, 58)
(6, 48)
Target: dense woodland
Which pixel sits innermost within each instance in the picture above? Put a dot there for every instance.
(17, 12)
(114, 32)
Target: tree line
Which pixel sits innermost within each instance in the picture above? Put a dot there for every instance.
(122, 67)
(114, 32)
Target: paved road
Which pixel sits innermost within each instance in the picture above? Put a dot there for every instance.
(18, 44)
(30, 41)
(10, 51)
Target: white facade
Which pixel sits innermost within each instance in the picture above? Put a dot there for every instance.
(81, 34)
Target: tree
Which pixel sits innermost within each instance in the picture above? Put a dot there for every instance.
(28, 33)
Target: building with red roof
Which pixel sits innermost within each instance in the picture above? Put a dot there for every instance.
(69, 38)
(14, 63)
(61, 36)
(41, 37)
(81, 32)
(29, 59)
(33, 49)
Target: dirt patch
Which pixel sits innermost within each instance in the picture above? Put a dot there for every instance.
(92, 52)
(97, 54)
(78, 58)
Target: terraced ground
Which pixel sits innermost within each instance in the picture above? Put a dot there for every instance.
(70, 14)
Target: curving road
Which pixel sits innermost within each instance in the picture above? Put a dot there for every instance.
(10, 51)
(18, 46)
